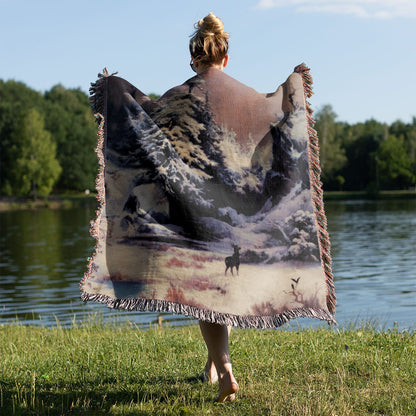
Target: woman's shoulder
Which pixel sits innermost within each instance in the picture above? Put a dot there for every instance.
(211, 79)
(221, 80)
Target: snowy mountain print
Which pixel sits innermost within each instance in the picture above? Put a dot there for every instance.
(196, 215)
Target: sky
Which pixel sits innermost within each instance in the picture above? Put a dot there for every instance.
(361, 53)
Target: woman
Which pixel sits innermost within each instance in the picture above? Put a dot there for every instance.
(209, 53)
(211, 203)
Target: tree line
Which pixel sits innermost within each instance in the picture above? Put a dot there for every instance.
(47, 140)
(47, 143)
(369, 156)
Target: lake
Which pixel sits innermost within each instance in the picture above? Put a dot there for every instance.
(43, 256)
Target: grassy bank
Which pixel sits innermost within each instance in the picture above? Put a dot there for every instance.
(344, 195)
(64, 201)
(73, 200)
(107, 370)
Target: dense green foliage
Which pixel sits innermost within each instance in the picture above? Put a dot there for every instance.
(35, 167)
(366, 156)
(108, 369)
(47, 140)
(47, 144)
(68, 117)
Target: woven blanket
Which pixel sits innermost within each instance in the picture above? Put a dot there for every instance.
(210, 202)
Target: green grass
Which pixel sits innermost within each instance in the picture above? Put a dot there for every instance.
(109, 369)
(61, 201)
(70, 200)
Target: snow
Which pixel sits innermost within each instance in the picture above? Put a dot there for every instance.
(203, 282)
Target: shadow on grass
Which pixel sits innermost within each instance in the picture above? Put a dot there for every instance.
(101, 396)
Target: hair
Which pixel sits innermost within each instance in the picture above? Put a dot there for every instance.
(209, 42)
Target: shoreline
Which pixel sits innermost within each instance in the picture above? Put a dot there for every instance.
(364, 195)
(67, 201)
(59, 201)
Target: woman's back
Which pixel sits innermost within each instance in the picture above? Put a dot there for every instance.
(235, 106)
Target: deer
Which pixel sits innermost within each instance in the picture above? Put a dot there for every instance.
(233, 261)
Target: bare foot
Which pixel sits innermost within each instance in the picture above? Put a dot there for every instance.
(228, 388)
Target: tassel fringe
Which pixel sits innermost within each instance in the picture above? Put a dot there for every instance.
(98, 103)
(316, 189)
(249, 321)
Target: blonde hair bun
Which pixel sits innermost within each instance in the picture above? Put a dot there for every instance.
(209, 42)
(211, 25)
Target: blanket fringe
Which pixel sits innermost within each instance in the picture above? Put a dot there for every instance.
(97, 103)
(245, 322)
(316, 188)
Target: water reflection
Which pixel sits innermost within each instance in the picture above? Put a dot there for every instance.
(43, 257)
(374, 260)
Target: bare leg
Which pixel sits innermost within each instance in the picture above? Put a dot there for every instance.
(210, 374)
(216, 339)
